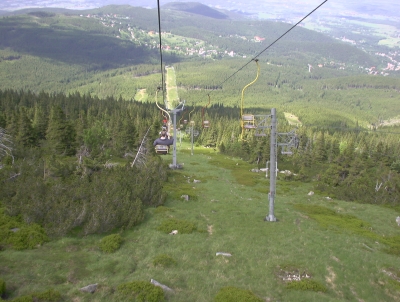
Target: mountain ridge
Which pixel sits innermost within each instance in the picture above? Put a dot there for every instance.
(196, 8)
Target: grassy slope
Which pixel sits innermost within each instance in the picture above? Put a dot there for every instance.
(228, 207)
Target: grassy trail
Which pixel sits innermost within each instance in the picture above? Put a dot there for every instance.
(227, 206)
(172, 90)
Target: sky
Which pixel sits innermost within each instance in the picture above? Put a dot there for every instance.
(262, 7)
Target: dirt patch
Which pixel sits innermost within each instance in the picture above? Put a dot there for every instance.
(331, 277)
(390, 122)
(355, 295)
(336, 259)
(210, 229)
(292, 274)
(392, 274)
(292, 119)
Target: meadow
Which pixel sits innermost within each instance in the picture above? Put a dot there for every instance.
(338, 245)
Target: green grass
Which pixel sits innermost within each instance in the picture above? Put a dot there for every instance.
(331, 240)
(172, 91)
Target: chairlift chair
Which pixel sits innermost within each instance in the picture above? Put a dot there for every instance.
(162, 149)
(248, 121)
(206, 124)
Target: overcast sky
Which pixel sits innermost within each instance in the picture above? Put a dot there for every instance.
(383, 7)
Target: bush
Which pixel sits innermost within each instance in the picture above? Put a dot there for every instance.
(230, 293)
(183, 226)
(164, 261)
(307, 284)
(141, 291)
(93, 201)
(47, 296)
(26, 237)
(111, 243)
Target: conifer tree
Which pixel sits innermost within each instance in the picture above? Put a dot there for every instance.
(25, 135)
(319, 152)
(40, 122)
(60, 133)
(129, 134)
(12, 123)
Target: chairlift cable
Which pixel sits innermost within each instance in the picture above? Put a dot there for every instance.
(183, 115)
(160, 42)
(194, 108)
(270, 45)
(169, 117)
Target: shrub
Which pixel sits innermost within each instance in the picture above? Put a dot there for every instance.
(307, 284)
(2, 287)
(47, 296)
(183, 226)
(230, 293)
(164, 261)
(141, 291)
(111, 243)
(27, 237)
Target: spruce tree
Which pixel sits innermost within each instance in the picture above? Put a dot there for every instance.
(60, 133)
(319, 152)
(25, 135)
(40, 122)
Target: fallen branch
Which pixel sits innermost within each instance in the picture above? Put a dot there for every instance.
(164, 287)
(223, 254)
(141, 151)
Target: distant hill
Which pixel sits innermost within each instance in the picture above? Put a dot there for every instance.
(196, 8)
(43, 49)
(187, 20)
(51, 10)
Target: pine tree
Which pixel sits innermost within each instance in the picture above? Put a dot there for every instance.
(129, 134)
(319, 152)
(40, 122)
(26, 135)
(60, 133)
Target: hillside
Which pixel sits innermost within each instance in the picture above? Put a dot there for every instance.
(73, 203)
(324, 242)
(195, 8)
(224, 34)
(86, 201)
(112, 51)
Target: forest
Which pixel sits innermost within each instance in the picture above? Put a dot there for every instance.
(82, 142)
